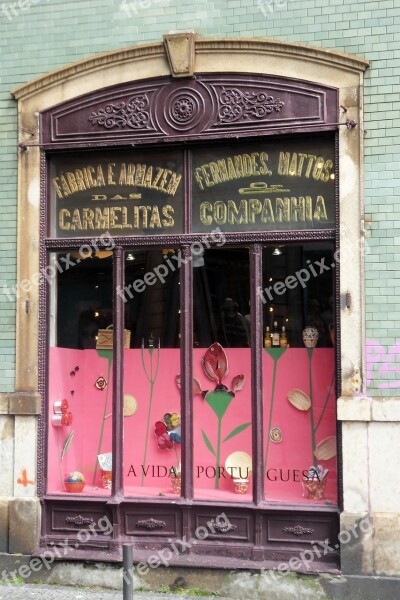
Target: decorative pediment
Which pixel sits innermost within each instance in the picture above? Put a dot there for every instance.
(208, 106)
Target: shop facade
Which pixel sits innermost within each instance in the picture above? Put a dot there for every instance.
(177, 204)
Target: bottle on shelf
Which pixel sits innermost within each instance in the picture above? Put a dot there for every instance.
(267, 338)
(283, 342)
(276, 335)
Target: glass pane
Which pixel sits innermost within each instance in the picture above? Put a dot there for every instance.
(299, 373)
(278, 184)
(80, 372)
(152, 436)
(222, 376)
(116, 193)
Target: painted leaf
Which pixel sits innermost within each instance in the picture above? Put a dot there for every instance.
(237, 430)
(160, 428)
(299, 400)
(219, 401)
(67, 444)
(326, 448)
(208, 443)
(215, 363)
(196, 390)
(238, 383)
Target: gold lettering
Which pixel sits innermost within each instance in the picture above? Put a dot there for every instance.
(297, 209)
(255, 208)
(293, 165)
(100, 177)
(102, 218)
(174, 184)
(301, 162)
(319, 165)
(99, 197)
(205, 207)
(320, 210)
(223, 171)
(157, 178)
(206, 176)
(308, 208)
(238, 165)
(220, 212)
(125, 223)
(326, 174)
(283, 165)
(71, 182)
(79, 180)
(122, 174)
(311, 158)
(148, 177)
(114, 217)
(110, 174)
(167, 212)
(231, 170)
(197, 176)
(76, 222)
(214, 172)
(64, 185)
(130, 174)
(87, 218)
(57, 187)
(254, 163)
(140, 173)
(282, 208)
(236, 215)
(155, 218)
(163, 181)
(62, 215)
(145, 215)
(264, 167)
(267, 215)
(89, 175)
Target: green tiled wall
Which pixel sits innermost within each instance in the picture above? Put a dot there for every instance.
(46, 34)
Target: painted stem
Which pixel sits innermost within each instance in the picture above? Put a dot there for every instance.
(271, 408)
(218, 454)
(59, 459)
(326, 401)
(102, 421)
(147, 431)
(313, 445)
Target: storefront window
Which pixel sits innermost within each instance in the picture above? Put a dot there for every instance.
(299, 373)
(222, 413)
(80, 385)
(151, 402)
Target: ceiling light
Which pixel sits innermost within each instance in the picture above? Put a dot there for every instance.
(276, 252)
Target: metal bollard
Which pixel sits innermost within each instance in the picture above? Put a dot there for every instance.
(127, 554)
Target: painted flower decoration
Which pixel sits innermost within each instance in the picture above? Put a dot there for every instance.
(215, 363)
(196, 388)
(168, 431)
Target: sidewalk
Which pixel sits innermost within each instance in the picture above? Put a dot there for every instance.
(55, 592)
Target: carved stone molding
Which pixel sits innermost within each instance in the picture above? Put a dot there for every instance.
(298, 530)
(133, 114)
(151, 524)
(180, 51)
(221, 528)
(79, 521)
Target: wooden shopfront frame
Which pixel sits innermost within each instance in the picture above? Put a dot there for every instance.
(260, 531)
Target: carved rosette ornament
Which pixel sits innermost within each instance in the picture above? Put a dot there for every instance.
(298, 530)
(151, 524)
(184, 108)
(235, 105)
(79, 521)
(133, 114)
(224, 528)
